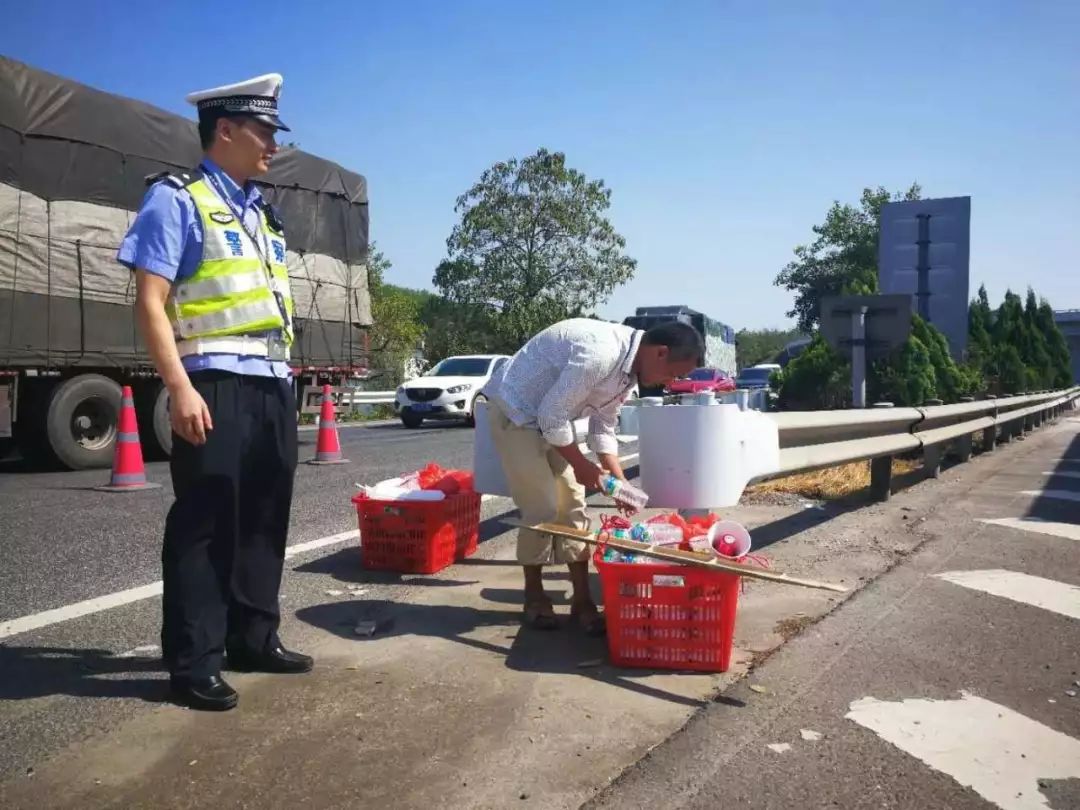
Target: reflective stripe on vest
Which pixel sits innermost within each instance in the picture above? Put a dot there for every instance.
(229, 293)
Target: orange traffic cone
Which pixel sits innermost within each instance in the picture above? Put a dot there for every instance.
(328, 450)
(128, 473)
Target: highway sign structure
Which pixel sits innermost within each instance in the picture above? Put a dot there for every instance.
(864, 327)
(923, 251)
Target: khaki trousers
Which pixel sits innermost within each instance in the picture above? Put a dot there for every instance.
(544, 490)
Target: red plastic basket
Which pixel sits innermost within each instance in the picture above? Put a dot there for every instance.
(668, 616)
(418, 537)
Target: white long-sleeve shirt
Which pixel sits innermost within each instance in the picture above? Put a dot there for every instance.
(575, 368)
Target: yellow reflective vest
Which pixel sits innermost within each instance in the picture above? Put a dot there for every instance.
(232, 291)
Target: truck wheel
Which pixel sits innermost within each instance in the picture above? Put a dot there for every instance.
(152, 406)
(82, 421)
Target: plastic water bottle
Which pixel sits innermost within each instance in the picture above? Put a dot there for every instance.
(624, 493)
(657, 534)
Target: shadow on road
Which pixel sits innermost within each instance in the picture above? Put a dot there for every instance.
(559, 652)
(1064, 478)
(34, 672)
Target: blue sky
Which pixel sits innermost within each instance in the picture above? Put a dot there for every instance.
(725, 130)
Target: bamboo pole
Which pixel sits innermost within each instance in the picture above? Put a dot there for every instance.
(694, 558)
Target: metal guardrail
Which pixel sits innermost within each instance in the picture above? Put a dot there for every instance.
(345, 398)
(813, 440)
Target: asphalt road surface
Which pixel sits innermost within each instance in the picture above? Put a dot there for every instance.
(80, 577)
(950, 682)
(948, 679)
(64, 542)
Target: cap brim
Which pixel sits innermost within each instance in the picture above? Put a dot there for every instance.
(272, 120)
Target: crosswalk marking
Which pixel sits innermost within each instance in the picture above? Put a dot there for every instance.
(1070, 531)
(1055, 494)
(1047, 594)
(998, 753)
(1062, 473)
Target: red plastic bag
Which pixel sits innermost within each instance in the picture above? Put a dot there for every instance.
(452, 482)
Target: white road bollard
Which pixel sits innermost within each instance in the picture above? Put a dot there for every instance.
(489, 478)
(703, 457)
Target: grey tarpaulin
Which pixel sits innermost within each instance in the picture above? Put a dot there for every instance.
(73, 162)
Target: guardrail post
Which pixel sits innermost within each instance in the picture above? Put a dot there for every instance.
(990, 434)
(881, 478)
(965, 444)
(932, 454)
(932, 460)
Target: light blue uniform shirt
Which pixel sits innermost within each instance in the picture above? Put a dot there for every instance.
(166, 239)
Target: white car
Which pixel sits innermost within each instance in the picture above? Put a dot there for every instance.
(449, 391)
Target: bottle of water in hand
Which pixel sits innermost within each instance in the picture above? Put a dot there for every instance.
(624, 493)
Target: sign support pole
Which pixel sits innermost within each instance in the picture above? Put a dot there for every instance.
(858, 357)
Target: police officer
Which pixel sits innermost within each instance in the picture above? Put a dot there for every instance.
(214, 308)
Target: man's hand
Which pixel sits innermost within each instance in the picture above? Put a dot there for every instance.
(189, 415)
(588, 474)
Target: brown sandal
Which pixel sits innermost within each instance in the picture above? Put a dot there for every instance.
(540, 616)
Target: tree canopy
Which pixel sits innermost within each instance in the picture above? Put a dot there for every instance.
(842, 259)
(533, 246)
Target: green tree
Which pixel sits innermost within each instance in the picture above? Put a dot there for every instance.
(396, 331)
(906, 378)
(1036, 352)
(951, 380)
(1010, 373)
(980, 323)
(842, 259)
(818, 378)
(1057, 346)
(533, 246)
(759, 345)
(452, 328)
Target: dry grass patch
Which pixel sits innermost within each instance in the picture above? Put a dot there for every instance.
(831, 483)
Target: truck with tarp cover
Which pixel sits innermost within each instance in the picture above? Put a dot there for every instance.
(74, 167)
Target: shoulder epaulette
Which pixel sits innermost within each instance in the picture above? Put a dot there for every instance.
(177, 180)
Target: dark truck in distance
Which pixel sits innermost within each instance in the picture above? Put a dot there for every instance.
(719, 338)
(74, 163)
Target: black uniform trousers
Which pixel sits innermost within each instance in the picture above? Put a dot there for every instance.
(225, 535)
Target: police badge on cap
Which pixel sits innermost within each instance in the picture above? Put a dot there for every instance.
(256, 97)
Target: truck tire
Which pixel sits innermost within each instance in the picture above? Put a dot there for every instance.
(81, 422)
(162, 431)
(155, 430)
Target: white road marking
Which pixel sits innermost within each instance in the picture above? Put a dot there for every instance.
(996, 752)
(780, 748)
(1063, 473)
(809, 735)
(36, 621)
(1055, 494)
(1039, 592)
(140, 652)
(1039, 526)
(14, 627)
(322, 542)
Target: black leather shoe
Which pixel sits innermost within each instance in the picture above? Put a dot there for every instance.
(208, 694)
(276, 660)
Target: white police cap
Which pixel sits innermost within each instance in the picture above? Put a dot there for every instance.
(257, 97)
